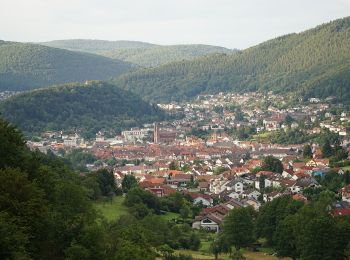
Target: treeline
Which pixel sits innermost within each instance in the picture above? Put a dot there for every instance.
(160, 55)
(96, 46)
(293, 229)
(84, 108)
(312, 63)
(140, 53)
(26, 66)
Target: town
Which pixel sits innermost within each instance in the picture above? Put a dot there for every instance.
(217, 151)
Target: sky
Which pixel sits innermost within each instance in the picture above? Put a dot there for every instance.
(229, 23)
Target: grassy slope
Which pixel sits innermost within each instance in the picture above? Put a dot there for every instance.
(112, 210)
(115, 209)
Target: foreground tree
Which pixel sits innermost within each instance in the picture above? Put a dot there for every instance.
(307, 151)
(272, 164)
(129, 182)
(238, 227)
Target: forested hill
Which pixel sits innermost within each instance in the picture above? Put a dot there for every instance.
(27, 66)
(86, 107)
(312, 63)
(140, 53)
(96, 46)
(160, 55)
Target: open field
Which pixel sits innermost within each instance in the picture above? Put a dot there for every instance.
(112, 210)
(198, 255)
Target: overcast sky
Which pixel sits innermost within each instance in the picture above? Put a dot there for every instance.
(229, 23)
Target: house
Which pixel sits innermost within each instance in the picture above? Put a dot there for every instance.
(203, 199)
(160, 190)
(251, 202)
(345, 193)
(203, 186)
(341, 212)
(318, 162)
(299, 197)
(180, 179)
(253, 194)
(290, 184)
(208, 222)
(233, 204)
(273, 123)
(271, 196)
(235, 185)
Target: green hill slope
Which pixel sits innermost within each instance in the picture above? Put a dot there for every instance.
(95, 46)
(312, 63)
(86, 107)
(28, 66)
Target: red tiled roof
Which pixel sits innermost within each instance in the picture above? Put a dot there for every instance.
(341, 212)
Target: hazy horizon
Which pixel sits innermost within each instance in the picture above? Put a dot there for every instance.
(231, 24)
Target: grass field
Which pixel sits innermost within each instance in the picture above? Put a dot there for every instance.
(170, 216)
(112, 210)
(198, 255)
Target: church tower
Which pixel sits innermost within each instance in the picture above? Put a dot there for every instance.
(156, 133)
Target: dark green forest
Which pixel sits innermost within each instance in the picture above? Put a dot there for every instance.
(27, 66)
(84, 107)
(312, 63)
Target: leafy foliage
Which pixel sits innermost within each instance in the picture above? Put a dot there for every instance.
(85, 107)
(272, 164)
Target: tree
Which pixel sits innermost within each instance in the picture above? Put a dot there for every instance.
(326, 149)
(307, 151)
(324, 246)
(285, 239)
(262, 182)
(129, 182)
(13, 238)
(271, 213)
(185, 212)
(239, 227)
(237, 255)
(106, 182)
(273, 164)
(173, 166)
(347, 252)
(215, 248)
(12, 145)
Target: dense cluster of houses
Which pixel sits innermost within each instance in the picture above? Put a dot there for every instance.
(236, 186)
(219, 167)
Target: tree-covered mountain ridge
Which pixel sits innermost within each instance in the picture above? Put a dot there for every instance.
(140, 53)
(96, 46)
(88, 108)
(315, 62)
(26, 66)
